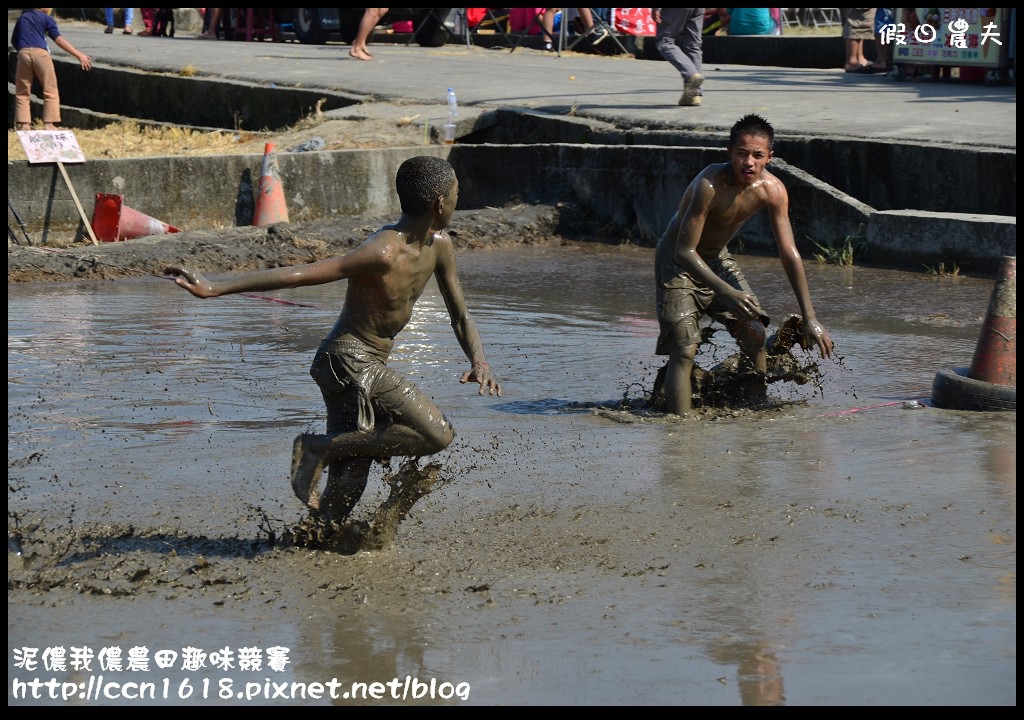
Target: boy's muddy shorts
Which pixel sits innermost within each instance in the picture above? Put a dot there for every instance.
(362, 392)
(682, 302)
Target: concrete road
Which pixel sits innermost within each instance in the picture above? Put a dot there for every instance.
(619, 89)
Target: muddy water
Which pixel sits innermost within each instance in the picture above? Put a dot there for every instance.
(844, 547)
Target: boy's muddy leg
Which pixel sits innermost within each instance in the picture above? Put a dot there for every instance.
(307, 464)
(346, 482)
(311, 452)
(408, 484)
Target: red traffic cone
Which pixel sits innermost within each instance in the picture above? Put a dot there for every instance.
(270, 203)
(991, 381)
(112, 220)
(995, 357)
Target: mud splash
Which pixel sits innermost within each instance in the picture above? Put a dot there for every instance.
(724, 390)
(407, 484)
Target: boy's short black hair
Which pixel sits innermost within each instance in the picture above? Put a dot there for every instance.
(752, 125)
(421, 180)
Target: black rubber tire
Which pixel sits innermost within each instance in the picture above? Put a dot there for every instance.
(953, 390)
(307, 27)
(348, 28)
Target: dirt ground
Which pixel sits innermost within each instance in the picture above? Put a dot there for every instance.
(252, 248)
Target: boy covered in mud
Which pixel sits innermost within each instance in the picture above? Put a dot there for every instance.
(372, 411)
(697, 276)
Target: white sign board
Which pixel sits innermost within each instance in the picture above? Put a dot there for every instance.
(43, 146)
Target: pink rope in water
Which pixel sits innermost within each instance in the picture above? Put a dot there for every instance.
(866, 407)
(279, 300)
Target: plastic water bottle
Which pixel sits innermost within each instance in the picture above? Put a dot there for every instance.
(453, 106)
(453, 112)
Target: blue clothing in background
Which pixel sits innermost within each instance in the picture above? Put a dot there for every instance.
(32, 29)
(883, 17)
(751, 21)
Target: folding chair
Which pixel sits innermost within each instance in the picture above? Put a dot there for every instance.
(599, 25)
(791, 17)
(489, 21)
(442, 16)
(823, 17)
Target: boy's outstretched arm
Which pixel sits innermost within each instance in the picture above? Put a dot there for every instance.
(462, 322)
(367, 258)
(84, 60)
(815, 333)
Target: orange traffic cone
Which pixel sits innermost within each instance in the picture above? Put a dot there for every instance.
(112, 220)
(995, 357)
(991, 381)
(270, 203)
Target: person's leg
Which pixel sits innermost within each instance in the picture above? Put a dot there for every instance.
(129, 18)
(866, 33)
(147, 20)
(212, 23)
(547, 22)
(853, 54)
(883, 17)
(678, 379)
(679, 309)
(586, 20)
(360, 49)
(691, 40)
(373, 412)
(752, 373)
(678, 25)
(24, 75)
(346, 479)
(47, 75)
(851, 62)
(346, 483)
(424, 431)
(109, 12)
(671, 25)
(751, 335)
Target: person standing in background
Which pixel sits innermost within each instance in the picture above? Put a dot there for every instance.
(129, 16)
(858, 26)
(35, 63)
(147, 20)
(883, 17)
(679, 40)
(211, 23)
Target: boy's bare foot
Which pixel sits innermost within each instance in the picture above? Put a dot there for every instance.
(306, 468)
(359, 54)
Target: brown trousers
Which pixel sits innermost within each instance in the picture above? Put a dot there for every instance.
(35, 64)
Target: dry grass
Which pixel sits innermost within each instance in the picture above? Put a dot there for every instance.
(129, 139)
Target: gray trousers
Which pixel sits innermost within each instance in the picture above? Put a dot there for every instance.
(679, 39)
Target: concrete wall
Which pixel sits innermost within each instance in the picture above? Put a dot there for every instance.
(636, 187)
(885, 175)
